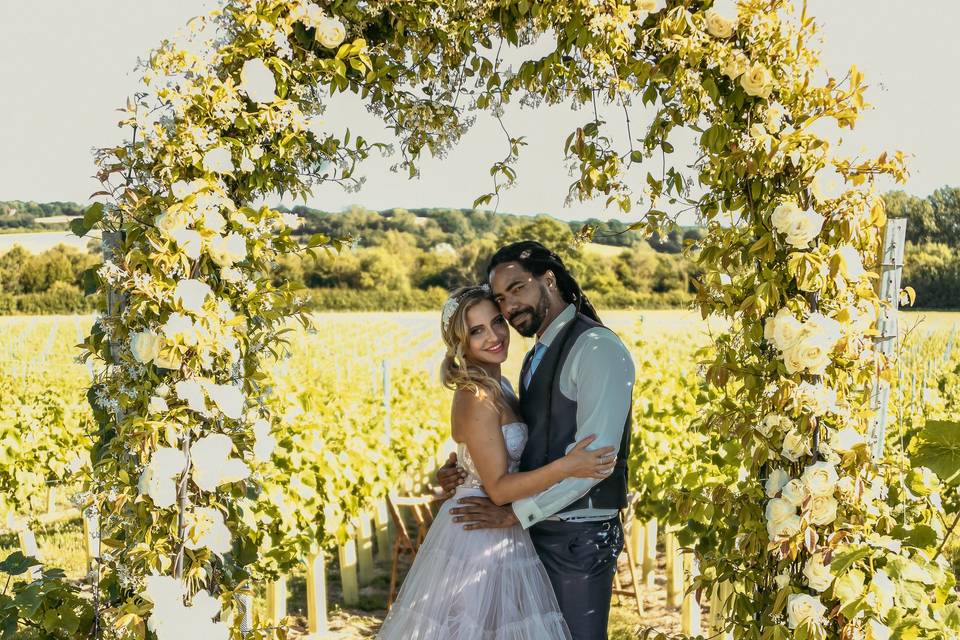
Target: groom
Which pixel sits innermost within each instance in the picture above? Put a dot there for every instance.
(577, 381)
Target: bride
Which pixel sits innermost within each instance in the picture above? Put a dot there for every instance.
(484, 584)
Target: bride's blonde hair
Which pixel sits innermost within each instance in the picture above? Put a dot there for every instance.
(456, 371)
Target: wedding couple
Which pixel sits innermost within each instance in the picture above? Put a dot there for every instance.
(528, 548)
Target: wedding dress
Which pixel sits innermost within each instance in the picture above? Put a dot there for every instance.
(481, 584)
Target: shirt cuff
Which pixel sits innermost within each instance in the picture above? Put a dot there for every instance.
(527, 512)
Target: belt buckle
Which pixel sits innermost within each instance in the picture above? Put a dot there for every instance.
(606, 526)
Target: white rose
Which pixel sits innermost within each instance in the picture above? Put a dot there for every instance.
(331, 32)
(191, 294)
(145, 346)
(804, 610)
(718, 25)
(213, 220)
(181, 188)
(778, 510)
(231, 274)
(772, 422)
(786, 528)
(883, 590)
(736, 65)
(180, 329)
(784, 215)
(218, 160)
(821, 327)
(820, 478)
(781, 580)
(157, 405)
(804, 229)
(157, 481)
(757, 81)
(246, 165)
(228, 250)
(876, 630)
(649, 6)
(795, 492)
(782, 330)
(818, 574)
(163, 390)
(189, 241)
(205, 529)
(170, 220)
(847, 439)
(258, 82)
(212, 464)
(851, 263)
(778, 478)
(264, 443)
(256, 152)
(846, 488)
(228, 398)
(823, 510)
(816, 398)
(795, 445)
(191, 392)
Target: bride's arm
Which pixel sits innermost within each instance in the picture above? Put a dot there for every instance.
(476, 423)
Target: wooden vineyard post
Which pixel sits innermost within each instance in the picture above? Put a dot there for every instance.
(674, 569)
(365, 549)
(690, 608)
(29, 548)
(348, 573)
(91, 537)
(649, 552)
(891, 268)
(277, 600)
(385, 367)
(382, 519)
(317, 594)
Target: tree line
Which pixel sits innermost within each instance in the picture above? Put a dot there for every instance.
(405, 259)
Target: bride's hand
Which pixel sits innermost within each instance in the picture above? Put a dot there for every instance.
(581, 463)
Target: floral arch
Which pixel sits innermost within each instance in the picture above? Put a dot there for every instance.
(805, 532)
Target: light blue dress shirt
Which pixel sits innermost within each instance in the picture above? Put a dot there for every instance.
(599, 375)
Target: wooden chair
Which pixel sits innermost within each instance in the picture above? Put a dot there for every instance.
(404, 543)
(627, 520)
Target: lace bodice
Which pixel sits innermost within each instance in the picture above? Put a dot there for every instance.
(514, 436)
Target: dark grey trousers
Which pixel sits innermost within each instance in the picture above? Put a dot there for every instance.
(581, 558)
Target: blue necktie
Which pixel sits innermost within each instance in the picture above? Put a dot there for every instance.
(538, 350)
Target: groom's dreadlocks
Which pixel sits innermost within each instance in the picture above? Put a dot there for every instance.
(537, 259)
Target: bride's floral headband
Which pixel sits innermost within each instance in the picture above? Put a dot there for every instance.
(451, 305)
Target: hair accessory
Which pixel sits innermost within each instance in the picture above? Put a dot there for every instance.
(525, 254)
(451, 305)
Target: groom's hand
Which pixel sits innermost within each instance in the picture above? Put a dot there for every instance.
(480, 513)
(450, 476)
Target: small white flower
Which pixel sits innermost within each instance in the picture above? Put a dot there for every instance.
(851, 262)
(246, 165)
(213, 220)
(795, 445)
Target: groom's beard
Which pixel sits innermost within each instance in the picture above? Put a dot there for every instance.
(530, 319)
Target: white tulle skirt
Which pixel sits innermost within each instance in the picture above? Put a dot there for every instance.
(483, 584)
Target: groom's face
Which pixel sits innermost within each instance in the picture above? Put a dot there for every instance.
(523, 298)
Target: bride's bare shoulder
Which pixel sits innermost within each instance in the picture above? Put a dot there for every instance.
(471, 409)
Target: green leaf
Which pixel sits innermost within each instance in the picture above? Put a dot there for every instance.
(16, 563)
(940, 450)
(78, 227)
(843, 561)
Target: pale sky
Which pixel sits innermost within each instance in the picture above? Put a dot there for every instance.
(66, 65)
